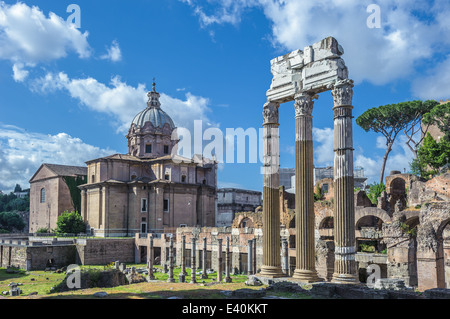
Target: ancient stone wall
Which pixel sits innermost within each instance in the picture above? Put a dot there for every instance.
(36, 257)
(105, 251)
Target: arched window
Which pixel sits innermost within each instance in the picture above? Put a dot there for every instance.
(42, 195)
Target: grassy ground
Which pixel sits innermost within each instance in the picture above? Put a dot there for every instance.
(42, 282)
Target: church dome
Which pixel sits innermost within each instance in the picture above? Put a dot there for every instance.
(153, 113)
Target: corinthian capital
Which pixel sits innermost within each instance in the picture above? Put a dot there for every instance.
(342, 92)
(270, 112)
(303, 104)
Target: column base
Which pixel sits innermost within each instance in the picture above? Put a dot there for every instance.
(271, 272)
(344, 279)
(307, 276)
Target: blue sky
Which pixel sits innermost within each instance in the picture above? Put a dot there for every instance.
(68, 95)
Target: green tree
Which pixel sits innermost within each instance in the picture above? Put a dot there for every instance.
(70, 223)
(418, 110)
(439, 116)
(431, 156)
(11, 220)
(17, 188)
(375, 191)
(391, 119)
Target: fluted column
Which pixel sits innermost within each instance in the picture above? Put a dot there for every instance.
(271, 266)
(344, 210)
(305, 269)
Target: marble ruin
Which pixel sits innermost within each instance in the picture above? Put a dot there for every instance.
(299, 76)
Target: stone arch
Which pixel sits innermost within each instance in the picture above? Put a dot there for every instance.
(443, 254)
(246, 222)
(327, 223)
(371, 211)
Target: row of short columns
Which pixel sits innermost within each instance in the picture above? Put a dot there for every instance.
(183, 273)
(305, 271)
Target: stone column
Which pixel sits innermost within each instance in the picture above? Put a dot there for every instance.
(219, 259)
(285, 254)
(150, 258)
(204, 254)
(193, 267)
(254, 256)
(344, 208)
(170, 279)
(227, 261)
(271, 265)
(250, 257)
(305, 269)
(182, 275)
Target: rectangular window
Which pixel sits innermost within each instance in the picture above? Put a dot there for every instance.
(143, 228)
(167, 177)
(166, 149)
(166, 205)
(148, 148)
(143, 204)
(43, 195)
(183, 178)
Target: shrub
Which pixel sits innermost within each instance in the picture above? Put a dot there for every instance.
(42, 230)
(70, 223)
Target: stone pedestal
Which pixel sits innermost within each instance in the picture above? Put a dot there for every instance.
(344, 209)
(271, 266)
(305, 270)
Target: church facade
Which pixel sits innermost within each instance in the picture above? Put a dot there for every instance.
(150, 188)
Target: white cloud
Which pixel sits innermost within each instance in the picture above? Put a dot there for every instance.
(379, 56)
(114, 53)
(324, 151)
(123, 101)
(22, 152)
(19, 73)
(28, 36)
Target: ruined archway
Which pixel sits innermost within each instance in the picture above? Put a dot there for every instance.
(299, 76)
(443, 254)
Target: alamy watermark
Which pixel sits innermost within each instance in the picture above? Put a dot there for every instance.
(375, 273)
(74, 276)
(235, 146)
(374, 19)
(75, 17)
